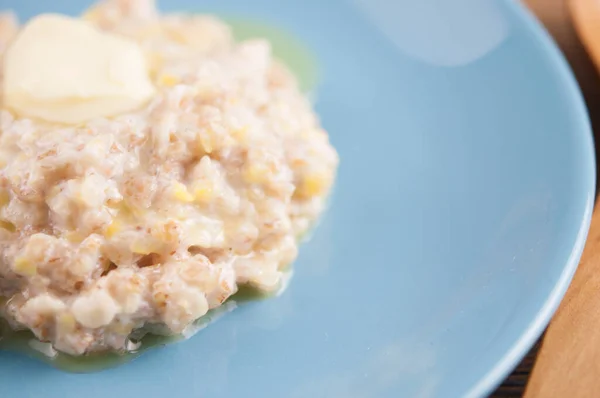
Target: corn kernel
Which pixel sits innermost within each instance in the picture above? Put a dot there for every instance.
(24, 267)
(66, 322)
(155, 61)
(205, 142)
(114, 227)
(203, 192)
(131, 212)
(313, 185)
(168, 80)
(181, 193)
(240, 134)
(256, 174)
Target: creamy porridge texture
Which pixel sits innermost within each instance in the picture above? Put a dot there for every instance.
(150, 217)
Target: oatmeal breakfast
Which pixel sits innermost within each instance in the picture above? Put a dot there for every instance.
(149, 166)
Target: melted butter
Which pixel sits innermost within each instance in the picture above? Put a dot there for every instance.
(64, 70)
(21, 342)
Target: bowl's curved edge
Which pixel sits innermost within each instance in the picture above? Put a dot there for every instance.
(523, 344)
(521, 347)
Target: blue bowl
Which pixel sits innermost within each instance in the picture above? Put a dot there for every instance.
(462, 205)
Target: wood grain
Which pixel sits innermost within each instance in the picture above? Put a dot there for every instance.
(568, 363)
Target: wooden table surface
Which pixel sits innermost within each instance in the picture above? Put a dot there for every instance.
(566, 361)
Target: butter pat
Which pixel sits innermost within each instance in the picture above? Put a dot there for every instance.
(64, 70)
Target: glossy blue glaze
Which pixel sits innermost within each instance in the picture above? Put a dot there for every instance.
(462, 205)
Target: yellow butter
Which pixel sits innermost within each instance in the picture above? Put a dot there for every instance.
(65, 70)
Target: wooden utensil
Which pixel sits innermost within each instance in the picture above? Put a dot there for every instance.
(568, 363)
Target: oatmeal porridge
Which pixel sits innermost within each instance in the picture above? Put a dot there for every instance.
(146, 177)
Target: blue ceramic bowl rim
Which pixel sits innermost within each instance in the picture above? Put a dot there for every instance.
(520, 348)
